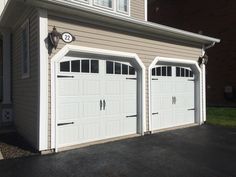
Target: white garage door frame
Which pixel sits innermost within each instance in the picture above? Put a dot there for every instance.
(198, 84)
(112, 55)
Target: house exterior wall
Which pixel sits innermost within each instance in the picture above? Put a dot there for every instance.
(147, 48)
(214, 18)
(137, 9)
(25, 91)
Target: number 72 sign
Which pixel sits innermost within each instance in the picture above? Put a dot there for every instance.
(67, 37)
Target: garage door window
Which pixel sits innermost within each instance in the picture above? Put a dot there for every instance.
(183, 72)
(84, 66)
(94, 66)
(119, 68)
(75, 66)
(65, 66)
(162, 71)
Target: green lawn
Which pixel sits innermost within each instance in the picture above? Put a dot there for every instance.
(221, 116)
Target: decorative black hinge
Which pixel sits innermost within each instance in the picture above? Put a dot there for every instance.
(155, 113)
(60, 76)
(131, 78)
(131, 116)
(61, 124)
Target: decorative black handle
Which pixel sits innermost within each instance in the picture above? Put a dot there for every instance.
(100, 105)
(104, 104)
(191, 109)
(155, 113)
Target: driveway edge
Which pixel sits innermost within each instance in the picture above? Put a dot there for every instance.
(1, 156)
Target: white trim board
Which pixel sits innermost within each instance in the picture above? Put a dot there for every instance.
(131, 57)
(195, 67)
(43, 81)
(146, 10)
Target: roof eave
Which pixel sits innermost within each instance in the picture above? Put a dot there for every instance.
(155, 29)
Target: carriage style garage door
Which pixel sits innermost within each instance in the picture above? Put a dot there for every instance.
(172, 90)
(95, 100)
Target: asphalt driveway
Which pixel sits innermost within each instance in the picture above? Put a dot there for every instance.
(204, 151)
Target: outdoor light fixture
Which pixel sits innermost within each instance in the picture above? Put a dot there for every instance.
(54, 37)
(203, 59)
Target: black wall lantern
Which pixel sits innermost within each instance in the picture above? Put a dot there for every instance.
(203, 59)
(54, 37)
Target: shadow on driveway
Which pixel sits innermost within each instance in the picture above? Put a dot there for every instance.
(203, 151)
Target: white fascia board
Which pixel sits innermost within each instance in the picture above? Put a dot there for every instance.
(156, 28)
(43, 81)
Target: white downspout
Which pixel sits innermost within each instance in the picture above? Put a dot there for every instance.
(203, 68)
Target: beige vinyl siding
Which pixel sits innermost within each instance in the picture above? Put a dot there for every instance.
(137, 9)
(104, 38)
(25, 91)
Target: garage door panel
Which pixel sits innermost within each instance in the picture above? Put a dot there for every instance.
(129, 106)
(67, 135)
(130, 125)
(129, 87)
(91, 87)
(89, 131)
(68, 112)
(96, 103)
(113, 128)
(68, 87)
(113, 107)
(165, 102)
(112, 87)
(91, 108)
(172, 96)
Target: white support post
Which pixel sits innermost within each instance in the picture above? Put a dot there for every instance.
(43, 81)
(203, 67)
(6, 67)
(203, 78)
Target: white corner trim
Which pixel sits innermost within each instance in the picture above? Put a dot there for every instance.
(57, 57)
(146, 9)
(43, 80)
(177, 61)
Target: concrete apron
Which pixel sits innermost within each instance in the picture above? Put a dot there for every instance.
(1, 156)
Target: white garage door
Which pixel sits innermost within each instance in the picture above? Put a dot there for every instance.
(172, 91)
(96, 99)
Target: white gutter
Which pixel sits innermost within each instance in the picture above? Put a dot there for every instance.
(209, 46)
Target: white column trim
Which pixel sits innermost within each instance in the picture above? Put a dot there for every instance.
(43, 80)
(177, 61)
(146, 9)
(203, 68)
(6, 67)
(130, 56)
